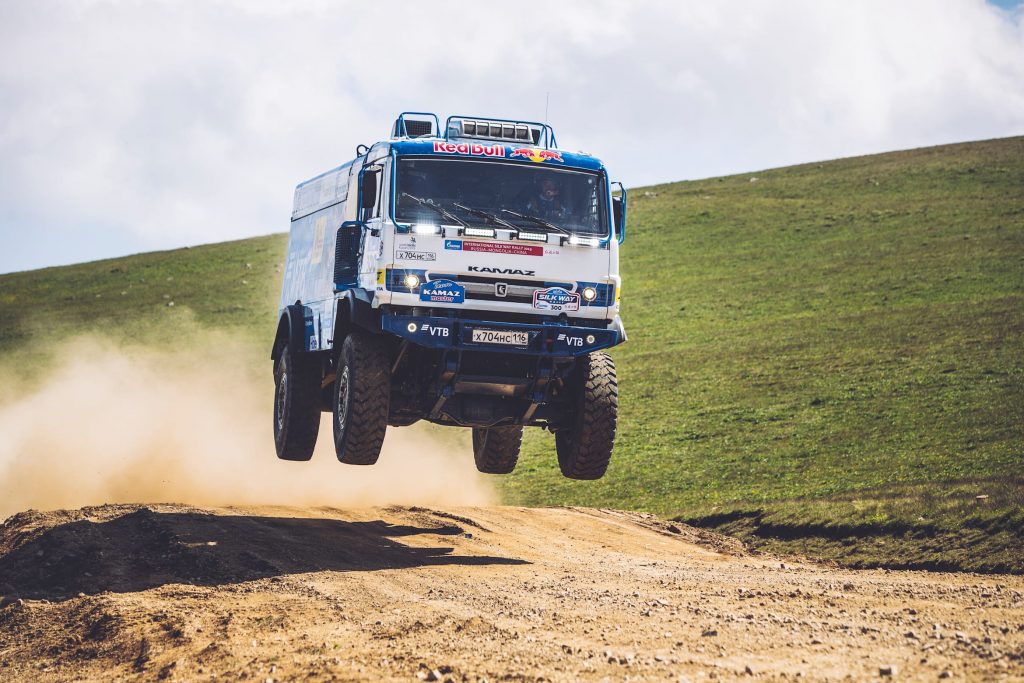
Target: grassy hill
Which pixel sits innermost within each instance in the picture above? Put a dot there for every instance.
(825, 359)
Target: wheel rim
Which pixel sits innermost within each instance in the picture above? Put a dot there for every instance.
(282, 396)
(343, 390)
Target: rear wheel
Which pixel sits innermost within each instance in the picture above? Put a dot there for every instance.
(296, 404)
(496, 450)
(585, 444)
(362, 390)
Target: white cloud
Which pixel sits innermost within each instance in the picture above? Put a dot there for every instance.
(161, 124)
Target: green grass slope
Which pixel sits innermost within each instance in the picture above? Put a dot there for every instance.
(825, 358)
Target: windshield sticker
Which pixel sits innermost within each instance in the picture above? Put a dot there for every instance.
(475, 149)
(416, 255)
(443, 292)
(502, 248)
(453, 244)
(556, 299)
(537, 155)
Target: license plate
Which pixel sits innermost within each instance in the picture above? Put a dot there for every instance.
(501, 337)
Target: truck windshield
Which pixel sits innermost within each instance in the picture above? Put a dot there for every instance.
(502, 195)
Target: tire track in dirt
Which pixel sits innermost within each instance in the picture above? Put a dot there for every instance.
(129, 592)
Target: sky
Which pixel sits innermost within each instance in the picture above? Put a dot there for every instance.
(134, 126)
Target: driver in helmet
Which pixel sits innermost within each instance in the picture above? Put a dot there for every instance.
(547, 203)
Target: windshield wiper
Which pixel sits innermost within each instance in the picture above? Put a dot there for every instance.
(430, 204)
(485, 214)
(538, 221)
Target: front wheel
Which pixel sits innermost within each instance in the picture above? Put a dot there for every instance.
(496, 450)
(584, 445)
(296, 404)
(362, 391)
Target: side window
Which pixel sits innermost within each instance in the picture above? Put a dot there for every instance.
(381, 182)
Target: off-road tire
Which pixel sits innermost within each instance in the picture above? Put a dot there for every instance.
(362, 390)
(496, 450)
(585, 444)
(296, 404)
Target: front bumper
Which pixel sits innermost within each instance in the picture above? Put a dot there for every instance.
(543, 339)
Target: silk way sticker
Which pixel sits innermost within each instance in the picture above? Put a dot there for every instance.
(444, 292)
(556, 299)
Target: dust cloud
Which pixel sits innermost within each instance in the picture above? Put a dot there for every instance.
(117, 424)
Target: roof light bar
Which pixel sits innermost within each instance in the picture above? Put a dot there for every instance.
(478, 232)
(511, 131)
(539, 236)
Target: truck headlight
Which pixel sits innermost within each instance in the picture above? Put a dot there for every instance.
(412, 281)
(589, 293)
(577, 241)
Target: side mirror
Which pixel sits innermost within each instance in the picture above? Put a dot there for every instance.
(368, 192)
(619, 213)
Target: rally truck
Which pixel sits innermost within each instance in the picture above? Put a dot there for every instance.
(466, 275)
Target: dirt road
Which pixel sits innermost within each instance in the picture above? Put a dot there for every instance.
(257, 594)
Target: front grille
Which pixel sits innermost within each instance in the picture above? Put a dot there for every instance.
(485, 288)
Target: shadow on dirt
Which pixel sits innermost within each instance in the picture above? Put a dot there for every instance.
(144, 548)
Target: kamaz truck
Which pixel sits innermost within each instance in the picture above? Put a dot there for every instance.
(467, 275)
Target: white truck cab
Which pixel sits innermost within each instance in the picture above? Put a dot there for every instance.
(467, 276)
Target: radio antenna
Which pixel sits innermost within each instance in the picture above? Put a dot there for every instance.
(547, 100)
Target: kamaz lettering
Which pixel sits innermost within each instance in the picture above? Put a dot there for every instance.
(501, 271)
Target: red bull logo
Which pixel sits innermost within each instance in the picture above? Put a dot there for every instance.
(472, 148)
(537, 155)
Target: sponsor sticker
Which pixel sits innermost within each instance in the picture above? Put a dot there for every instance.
(503, 248)
(443, 292)
(453, 244)
(416, 255)
(471, 148)
(319, 232)
(434, 330)
(536, 155)
(571, 340)
(556, 299)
